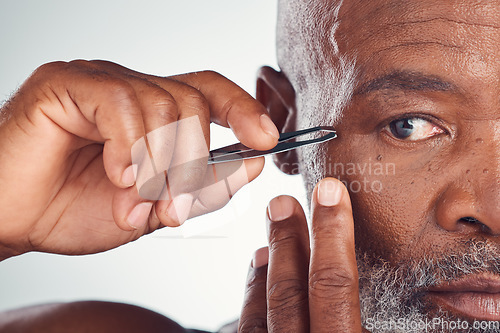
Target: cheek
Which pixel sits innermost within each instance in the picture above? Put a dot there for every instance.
(389, 224)
(391, 205)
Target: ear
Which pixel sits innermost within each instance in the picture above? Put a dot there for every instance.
(276, 93)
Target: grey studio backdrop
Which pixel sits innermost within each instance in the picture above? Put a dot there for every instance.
(194, 274)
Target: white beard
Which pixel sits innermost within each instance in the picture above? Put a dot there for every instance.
(394, 294)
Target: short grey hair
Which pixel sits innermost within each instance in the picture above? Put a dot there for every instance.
(323, 78)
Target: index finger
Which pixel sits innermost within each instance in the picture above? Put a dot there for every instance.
(333, 274)
(231, 106)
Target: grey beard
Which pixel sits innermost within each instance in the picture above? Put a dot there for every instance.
(390, 295)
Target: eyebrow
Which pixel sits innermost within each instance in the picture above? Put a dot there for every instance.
(405, 80)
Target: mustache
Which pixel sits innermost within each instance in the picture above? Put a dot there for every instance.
(474, 257)
(394, 291)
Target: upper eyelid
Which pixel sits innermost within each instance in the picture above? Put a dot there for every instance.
(411, 115)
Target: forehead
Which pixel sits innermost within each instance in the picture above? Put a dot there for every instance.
(458, 39)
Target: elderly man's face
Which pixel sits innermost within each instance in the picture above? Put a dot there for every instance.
(422, 133)
(419, 150)
(426, 115)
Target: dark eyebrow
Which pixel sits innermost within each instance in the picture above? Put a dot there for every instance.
(405, 80)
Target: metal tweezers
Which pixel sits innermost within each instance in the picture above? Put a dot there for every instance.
(239, 151)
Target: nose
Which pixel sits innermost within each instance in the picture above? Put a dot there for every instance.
(460, 209)
(471, 202)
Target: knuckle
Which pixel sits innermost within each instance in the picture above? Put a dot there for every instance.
(52, 66)
(101, 63)
(49, 69)
(256, 285)
(253, 325)
(158, 96)
(228, 106)
(163, 103)
(210, 75)
(240, 101)
(324, 233)
(120, 90)
(195, 100)
(281, 237)
(79, 63)
(88, 70)
(330, 282)
(287, 294)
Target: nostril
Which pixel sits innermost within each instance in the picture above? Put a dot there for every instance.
(474, 221)
(469, 219)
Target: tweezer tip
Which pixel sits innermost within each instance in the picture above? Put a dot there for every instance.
(327, 128)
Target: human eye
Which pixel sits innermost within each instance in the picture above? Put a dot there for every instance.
(412, 129)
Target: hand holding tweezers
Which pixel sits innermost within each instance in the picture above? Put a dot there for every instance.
(239, 151)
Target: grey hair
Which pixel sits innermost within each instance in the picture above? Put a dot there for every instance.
(394, 294)
(323, 78)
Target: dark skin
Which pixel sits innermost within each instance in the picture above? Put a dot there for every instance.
(88, 316)
(66, 138)
(317, 290)
(68, 133)
(416, 59)
(441, 68)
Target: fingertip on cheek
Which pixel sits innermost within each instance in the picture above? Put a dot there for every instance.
(260, 257)
(329, 192)
(280, 208)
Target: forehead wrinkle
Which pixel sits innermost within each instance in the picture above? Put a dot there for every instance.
(379, 34)
(484, 13)
(445, 19)
(377, 22)
(415, 44)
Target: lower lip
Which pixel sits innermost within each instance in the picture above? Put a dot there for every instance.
(474, 305)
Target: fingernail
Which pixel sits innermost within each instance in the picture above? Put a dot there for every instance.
(139, 215)
(329, 193)
(280, 208)
(268, 126)
(260, 257)
(180, 208)
(129, 175)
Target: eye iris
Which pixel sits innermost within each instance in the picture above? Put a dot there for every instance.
(402, 128)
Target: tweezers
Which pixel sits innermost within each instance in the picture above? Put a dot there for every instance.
(239, 151)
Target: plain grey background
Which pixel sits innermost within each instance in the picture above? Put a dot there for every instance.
(194, 274)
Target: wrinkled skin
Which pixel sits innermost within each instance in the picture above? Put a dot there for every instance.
(449, 176)
(66, 142)
(446, 58)
(439, 189)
